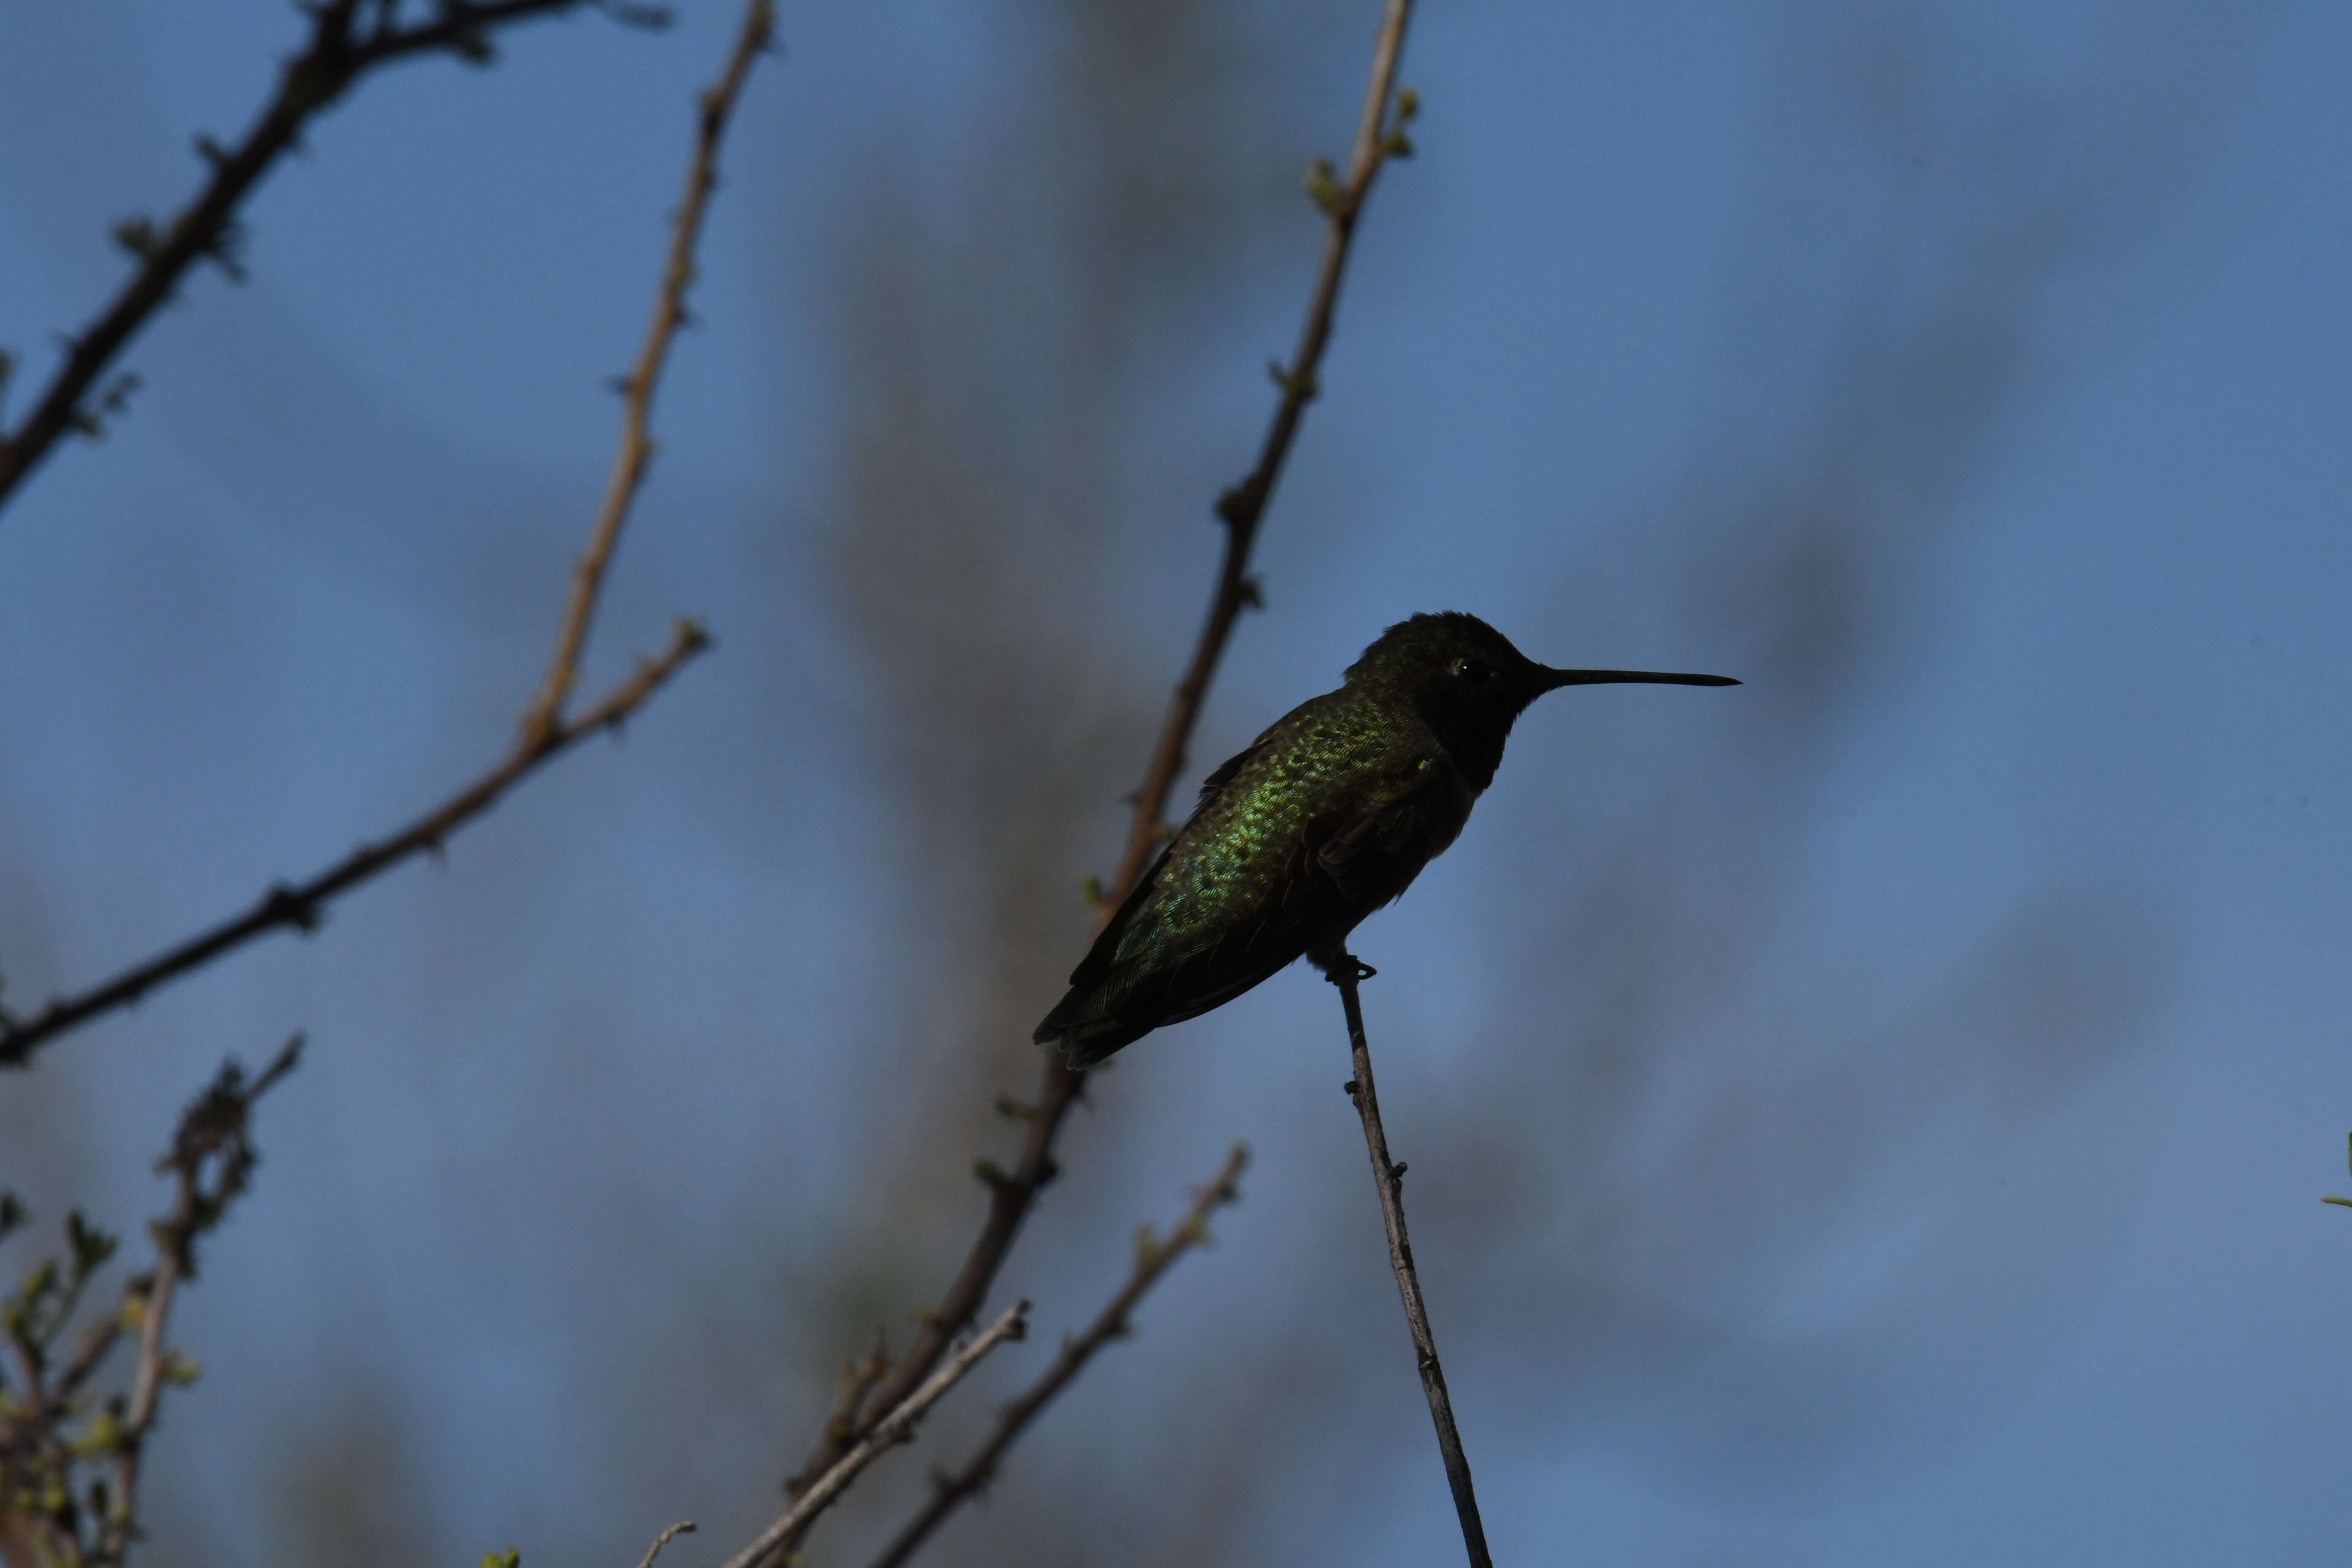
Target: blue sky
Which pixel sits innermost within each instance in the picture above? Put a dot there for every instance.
(1880, 1111)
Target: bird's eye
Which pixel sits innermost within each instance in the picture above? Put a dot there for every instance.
(1471, 670)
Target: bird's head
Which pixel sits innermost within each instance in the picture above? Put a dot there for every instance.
(1468, 683)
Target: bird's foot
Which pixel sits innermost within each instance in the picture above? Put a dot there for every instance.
(1343, 968)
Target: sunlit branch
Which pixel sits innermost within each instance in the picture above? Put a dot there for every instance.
(896, 1428)
(1153, 1258)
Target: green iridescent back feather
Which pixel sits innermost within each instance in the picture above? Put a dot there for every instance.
(1328, 816)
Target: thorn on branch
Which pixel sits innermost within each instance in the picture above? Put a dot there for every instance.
(474, 47)
(117, 395)
(286, 906)
(1012, 1109)
(1253, 593)
(1091, 893)
(136, 235)
(1302, 386)
(226, 249)
(992, 1175)
(652, 18)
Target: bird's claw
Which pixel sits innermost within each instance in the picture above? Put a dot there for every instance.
(1345, 969)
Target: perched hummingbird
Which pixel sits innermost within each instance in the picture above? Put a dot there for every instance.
(1325, 817)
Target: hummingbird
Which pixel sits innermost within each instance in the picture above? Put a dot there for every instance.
(1324, 818)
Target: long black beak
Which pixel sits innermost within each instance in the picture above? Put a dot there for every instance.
(1552, 679)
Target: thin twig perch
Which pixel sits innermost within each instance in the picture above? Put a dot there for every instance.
(1153, 1258)
(1379, 137)
(1345, 971)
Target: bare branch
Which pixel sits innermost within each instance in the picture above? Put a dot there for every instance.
(302, 905)
(897, 1428)
(1379, 137)
(1345, 971)
(1153, 1258)
(1243, 506)
(544, 730)
(340, 50)
(683, 1527)
(636, 450)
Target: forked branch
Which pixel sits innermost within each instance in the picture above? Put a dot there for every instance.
(546, 730)
(1153, 1258)
(896, 1426)
(1379, 137)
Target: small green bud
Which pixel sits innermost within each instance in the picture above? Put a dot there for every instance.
(1323, 186)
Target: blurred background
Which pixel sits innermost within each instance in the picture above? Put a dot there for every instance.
(1877, 1113)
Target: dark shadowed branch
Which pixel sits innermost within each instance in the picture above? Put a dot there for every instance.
(302, 905)
(1345, 971)
(896, 1428)
(1153, 1258)
(545, 731)
(1379, 136)
(348, 39)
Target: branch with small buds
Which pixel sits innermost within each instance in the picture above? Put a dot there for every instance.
(50, 1438)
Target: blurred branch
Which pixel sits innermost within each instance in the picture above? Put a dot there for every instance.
(1153, 1258)
(683, 1527)
(1345, 971)
(1379, 136)
(545, 730)
(2346, 1202)
(342, 50)
(213, 1133)
(47, 1516)
(897, 1428)
(636, 447)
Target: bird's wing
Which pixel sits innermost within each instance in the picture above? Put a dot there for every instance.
(1373, 855)
(1343, 865)
(1096, 967)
